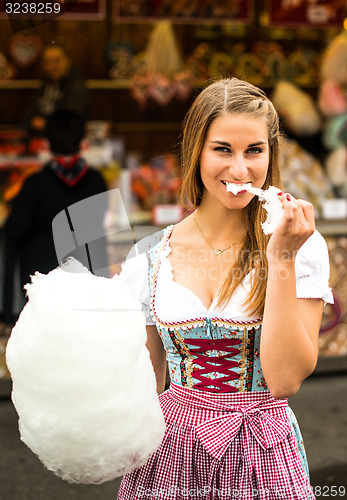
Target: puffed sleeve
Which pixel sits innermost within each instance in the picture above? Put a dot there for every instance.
(135, 272)
(312, 270)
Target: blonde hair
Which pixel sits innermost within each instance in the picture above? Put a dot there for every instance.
(233, 96)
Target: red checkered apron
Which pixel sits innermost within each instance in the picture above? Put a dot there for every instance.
(221, 446)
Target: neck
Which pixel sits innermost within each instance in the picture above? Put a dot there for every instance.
(219, 224)
(64, 155)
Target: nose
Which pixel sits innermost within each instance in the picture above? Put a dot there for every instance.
(238, 167)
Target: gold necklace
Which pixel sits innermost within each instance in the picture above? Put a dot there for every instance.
(216, 250)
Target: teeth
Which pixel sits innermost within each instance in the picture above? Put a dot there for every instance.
(236, 188)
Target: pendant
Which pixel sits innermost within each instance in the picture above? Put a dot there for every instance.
(217, 252)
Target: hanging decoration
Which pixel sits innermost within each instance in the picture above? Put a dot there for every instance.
(25, 50)
(120, 56)
(161, 74)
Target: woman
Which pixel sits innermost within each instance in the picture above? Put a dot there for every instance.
(236, 313)
(63, 88)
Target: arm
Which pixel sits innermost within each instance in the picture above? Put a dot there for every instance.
(289, 338)
(158, 356)
(135, 272)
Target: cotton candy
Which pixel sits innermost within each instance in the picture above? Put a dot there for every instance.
(236, 188)
(83, 383)
(272, 205)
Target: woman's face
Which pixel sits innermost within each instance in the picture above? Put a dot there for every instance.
(236, 150)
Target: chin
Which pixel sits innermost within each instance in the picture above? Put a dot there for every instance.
(239, 201)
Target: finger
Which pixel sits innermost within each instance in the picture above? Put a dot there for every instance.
(289, 206)
(286, 197)
(289, 197)
(308, 211)
(281, 196)
(283, 199)
(297, 220)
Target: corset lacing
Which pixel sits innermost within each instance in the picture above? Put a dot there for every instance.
(214, 364)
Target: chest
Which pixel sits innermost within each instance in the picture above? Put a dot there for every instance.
(176, 298)
(200, 270)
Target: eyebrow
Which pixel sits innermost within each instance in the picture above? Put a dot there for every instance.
(222, 143)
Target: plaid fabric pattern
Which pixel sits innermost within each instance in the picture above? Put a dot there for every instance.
(221, 446)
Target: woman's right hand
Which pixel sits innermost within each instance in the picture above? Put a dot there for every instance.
(297, 225)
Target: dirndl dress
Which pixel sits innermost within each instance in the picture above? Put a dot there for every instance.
(226, 436)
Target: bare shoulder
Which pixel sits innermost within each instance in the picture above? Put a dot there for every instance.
(182, 233)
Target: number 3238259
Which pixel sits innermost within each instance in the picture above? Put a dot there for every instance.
(27, 8)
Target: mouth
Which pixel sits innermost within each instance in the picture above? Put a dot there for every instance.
(236, 187)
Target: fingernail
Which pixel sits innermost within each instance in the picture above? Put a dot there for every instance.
(279, 194)
(288, 197)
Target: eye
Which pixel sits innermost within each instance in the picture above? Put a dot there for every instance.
(254, 151)
(221, 149)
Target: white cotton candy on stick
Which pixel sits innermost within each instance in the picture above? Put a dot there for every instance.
(83, 383)
(272, 204)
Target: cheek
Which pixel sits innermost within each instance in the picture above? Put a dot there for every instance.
(206, 166)
(261, 168)
(208, 175)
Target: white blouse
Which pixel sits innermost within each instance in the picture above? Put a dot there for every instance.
(176, 303)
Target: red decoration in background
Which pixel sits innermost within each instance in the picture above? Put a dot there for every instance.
(185, 82)
(162, 89)
(140, 85)
(84, 9)
(320, 13)
(156, 182)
